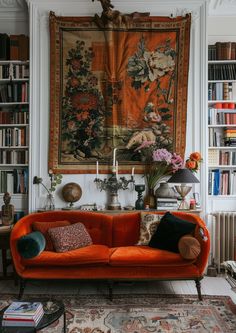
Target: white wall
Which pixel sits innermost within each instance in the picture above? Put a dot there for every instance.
(222, 28)
(39, 36)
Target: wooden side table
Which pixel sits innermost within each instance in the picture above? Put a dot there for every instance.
(4, 246)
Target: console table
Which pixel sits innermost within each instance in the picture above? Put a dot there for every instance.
(4, 246)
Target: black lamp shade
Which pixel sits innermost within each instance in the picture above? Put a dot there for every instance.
(183, 176)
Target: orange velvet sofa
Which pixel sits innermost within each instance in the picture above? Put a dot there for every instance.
(113, 254)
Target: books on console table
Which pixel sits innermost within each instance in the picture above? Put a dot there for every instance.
(167, 204)
(23, 314)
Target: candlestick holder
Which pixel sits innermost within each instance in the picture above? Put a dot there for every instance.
(139, 203)
(112, 185)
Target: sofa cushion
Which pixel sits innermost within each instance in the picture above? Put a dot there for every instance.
(144, 256)
(44, 226)
(189, 247)
(148, 226)
(92, 254)
(169, 231)
(70, 237)
(31, 245)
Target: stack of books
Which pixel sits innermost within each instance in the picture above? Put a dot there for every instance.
(230, 137)
(23, 314)
(167, 204)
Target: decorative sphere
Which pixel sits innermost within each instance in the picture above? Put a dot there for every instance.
(71, 192)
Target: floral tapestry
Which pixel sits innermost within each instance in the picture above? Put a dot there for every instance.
(116, 88)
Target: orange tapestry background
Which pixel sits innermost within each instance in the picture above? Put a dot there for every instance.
(113, 88)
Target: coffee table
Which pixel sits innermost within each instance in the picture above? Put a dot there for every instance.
(47, 320)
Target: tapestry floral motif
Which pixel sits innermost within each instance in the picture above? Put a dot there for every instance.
(145, 67)
(83, 109)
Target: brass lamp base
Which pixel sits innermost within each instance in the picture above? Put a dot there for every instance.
(183, 190)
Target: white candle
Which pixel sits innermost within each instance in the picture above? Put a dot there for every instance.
(97, 169)
(132, 174)
(114, 157)
(116, 169)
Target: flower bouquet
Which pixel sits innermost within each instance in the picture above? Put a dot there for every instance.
(193, 162)
(162, 164)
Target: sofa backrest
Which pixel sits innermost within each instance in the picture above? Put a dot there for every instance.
(98, 225)
(126, 229)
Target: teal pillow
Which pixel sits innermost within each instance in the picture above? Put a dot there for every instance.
(31, 245)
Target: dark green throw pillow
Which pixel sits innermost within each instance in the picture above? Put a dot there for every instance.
(169, 231)
(31, 245)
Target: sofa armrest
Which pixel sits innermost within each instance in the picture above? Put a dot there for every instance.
(202, 235)
(21, 228)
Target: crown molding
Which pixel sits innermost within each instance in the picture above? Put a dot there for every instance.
(13, 10)
(222, 8)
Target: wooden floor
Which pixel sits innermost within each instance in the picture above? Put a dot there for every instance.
(210, 286)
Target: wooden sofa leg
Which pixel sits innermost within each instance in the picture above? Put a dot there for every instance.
(22, 288)
(198, 286)
(110, 289)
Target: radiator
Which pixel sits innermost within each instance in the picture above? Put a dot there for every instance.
(222, 227)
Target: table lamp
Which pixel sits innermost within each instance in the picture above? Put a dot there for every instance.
(183, 177)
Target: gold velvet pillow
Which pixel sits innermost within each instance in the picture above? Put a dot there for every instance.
(189, 247)
(148, 225)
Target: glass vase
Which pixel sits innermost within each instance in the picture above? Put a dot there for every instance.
(50, 202)
(150, 199)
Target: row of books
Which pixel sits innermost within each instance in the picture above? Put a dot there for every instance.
(18, 115)
(220, 138)
(222, 72)
(221, 157)
(14, 71)
(14, 92)
(221, 91)
(222, 51)
(26, 314)
(14, 156)
(14, 181)
(167, 203)
(227, 157)
(222, 182)
(14, 137)
(14, 47)
(221, 117)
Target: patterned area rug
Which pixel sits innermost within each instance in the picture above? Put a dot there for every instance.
(144, 314)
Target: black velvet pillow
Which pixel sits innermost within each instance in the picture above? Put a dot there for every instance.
(169, 231)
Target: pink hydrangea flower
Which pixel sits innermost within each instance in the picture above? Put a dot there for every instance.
(177, 162)
(162, 155)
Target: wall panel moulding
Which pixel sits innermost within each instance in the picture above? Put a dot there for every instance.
(222, 8)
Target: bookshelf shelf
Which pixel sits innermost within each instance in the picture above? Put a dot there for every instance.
(14, 147)
(214, 81)
(222, 126)
(13, 165)
(221, 101)
(222, 166)
(222, 147)
(16, 62)
(221, 62)
(16, 125)
(13, 103)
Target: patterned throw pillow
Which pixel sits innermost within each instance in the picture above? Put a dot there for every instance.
(44, 226)
(148, 226)
(70, 237)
